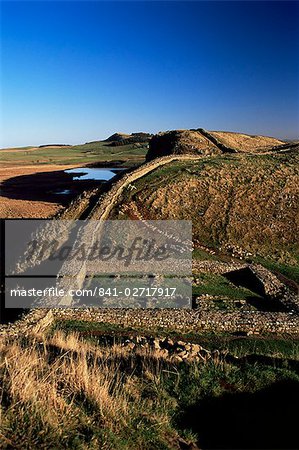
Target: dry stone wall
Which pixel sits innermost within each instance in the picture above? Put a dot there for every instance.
(180, 320)
(188, 320)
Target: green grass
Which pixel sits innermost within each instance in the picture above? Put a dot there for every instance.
(291, 272)
(268, 345)
(201, 255)
(219, 286)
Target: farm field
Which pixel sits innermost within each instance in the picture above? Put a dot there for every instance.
(21, 207)
(28, 174)
(67, 155)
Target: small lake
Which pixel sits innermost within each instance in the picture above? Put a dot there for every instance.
(62, 191)
(93, 173)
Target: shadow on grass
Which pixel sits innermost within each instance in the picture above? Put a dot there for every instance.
(266, 419)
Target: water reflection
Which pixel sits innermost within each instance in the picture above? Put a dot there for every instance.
(93, 173)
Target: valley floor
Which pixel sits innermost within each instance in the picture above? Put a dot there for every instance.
(12, 205)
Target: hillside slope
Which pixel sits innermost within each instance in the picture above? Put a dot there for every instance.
(245, 142)
(203, 142)
(243, 203)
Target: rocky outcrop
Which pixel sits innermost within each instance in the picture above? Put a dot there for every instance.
(116, 137)
(176, 351)
(222, 146)
(179, 142)
(201, 141)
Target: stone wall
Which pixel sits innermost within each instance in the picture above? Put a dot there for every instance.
(180, 320)
(187, 320)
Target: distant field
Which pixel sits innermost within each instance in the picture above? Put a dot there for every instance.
(20, 169)
(77, 154)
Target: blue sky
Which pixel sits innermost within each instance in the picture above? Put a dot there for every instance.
(78, 71)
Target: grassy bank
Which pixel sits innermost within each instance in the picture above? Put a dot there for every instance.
(245, 204)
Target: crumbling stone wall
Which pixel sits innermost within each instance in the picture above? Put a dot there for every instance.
(274, 288)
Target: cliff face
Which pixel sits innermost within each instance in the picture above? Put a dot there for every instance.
(203, 142)
(180, 142)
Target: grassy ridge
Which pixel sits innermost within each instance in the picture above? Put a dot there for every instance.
(241, 204)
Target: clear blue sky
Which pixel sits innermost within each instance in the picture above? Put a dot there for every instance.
(78, 71)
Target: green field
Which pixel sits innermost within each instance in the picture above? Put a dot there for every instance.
(218, 285)
(77, 154)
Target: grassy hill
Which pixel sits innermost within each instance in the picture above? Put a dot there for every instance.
(245, 142)
(203, 142)
(242, 204)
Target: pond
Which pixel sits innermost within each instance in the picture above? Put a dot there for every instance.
(93, 173)
(62, 191)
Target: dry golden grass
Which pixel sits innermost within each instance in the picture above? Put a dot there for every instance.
(67, 393)
(63, 392)
(245, 201)
(245, 142)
